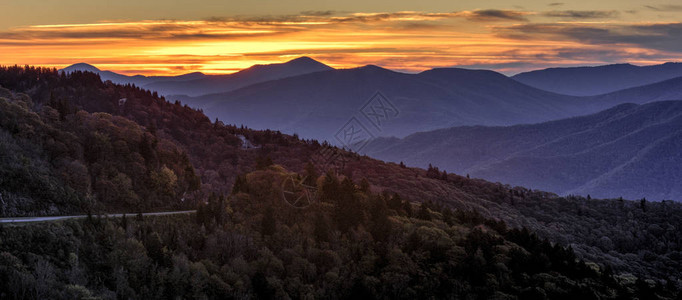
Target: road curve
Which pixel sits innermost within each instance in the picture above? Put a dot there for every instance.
(57, 218)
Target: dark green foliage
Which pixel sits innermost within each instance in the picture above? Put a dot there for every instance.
(268, 222)
(364, 185)
(407, 207)
(448, 216)
(433, 172)
(217, 257)
(380, 226)
(330, 188)
(423, 212)
(311, 174)
(240, 185)
(322, 230)
(83, 157)
(263, 162)
(348, 212)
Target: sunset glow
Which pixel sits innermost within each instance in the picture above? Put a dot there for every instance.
(505, 40)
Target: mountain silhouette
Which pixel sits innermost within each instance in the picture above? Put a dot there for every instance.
(590, 81)
(195, 84)
(255, 74)
(317, 105)
(629, 150)
(138, 80)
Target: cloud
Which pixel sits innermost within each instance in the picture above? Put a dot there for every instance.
(581, 14)
(505, 40)
(495, 15)
(665, 7)
(395, 16)
(334, 17)
(663, 36)
(555, 4)
(319, 13)
(147, 30)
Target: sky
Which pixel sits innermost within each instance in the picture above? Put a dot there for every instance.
(171, 37)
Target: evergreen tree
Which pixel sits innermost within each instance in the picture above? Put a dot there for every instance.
(407, 207)
(348, 212)
(448, 216)
(268, 223)
(364, 186)
(642, 204)
(240, 185)
(424, 213)
(263, 162)
(310, 174)
(321, 230)
(330, 187)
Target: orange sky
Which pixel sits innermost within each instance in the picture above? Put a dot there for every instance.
(507, 40)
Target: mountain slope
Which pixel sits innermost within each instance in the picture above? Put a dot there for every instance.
(195, 84)
(670, 89)
(587, 81)
(318, 105)
(595, 230)
(630, 151)
(138, 80)
(222, 83)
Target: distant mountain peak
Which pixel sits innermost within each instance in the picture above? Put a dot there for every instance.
(305, 61)
(463, 71)
(373, 68)
(302, 62)
(81, 67)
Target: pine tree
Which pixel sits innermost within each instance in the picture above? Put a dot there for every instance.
(364, 186)
(268, 223)
(263, 162)
(348, 212)
(240, 185)
(330, 187)
(424, 213)
(407, 206)
(321, 230)
(448, 216)
(310, 174)
(642, 204)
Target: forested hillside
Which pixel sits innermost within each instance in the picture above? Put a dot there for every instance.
(353, 244)
(59, 161)
(70, 133)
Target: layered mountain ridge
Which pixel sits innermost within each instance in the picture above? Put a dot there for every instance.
(630, 150)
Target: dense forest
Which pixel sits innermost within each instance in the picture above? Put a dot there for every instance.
(351, 244)
(74, 144)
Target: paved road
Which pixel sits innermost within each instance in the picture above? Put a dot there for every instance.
(57, 218)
